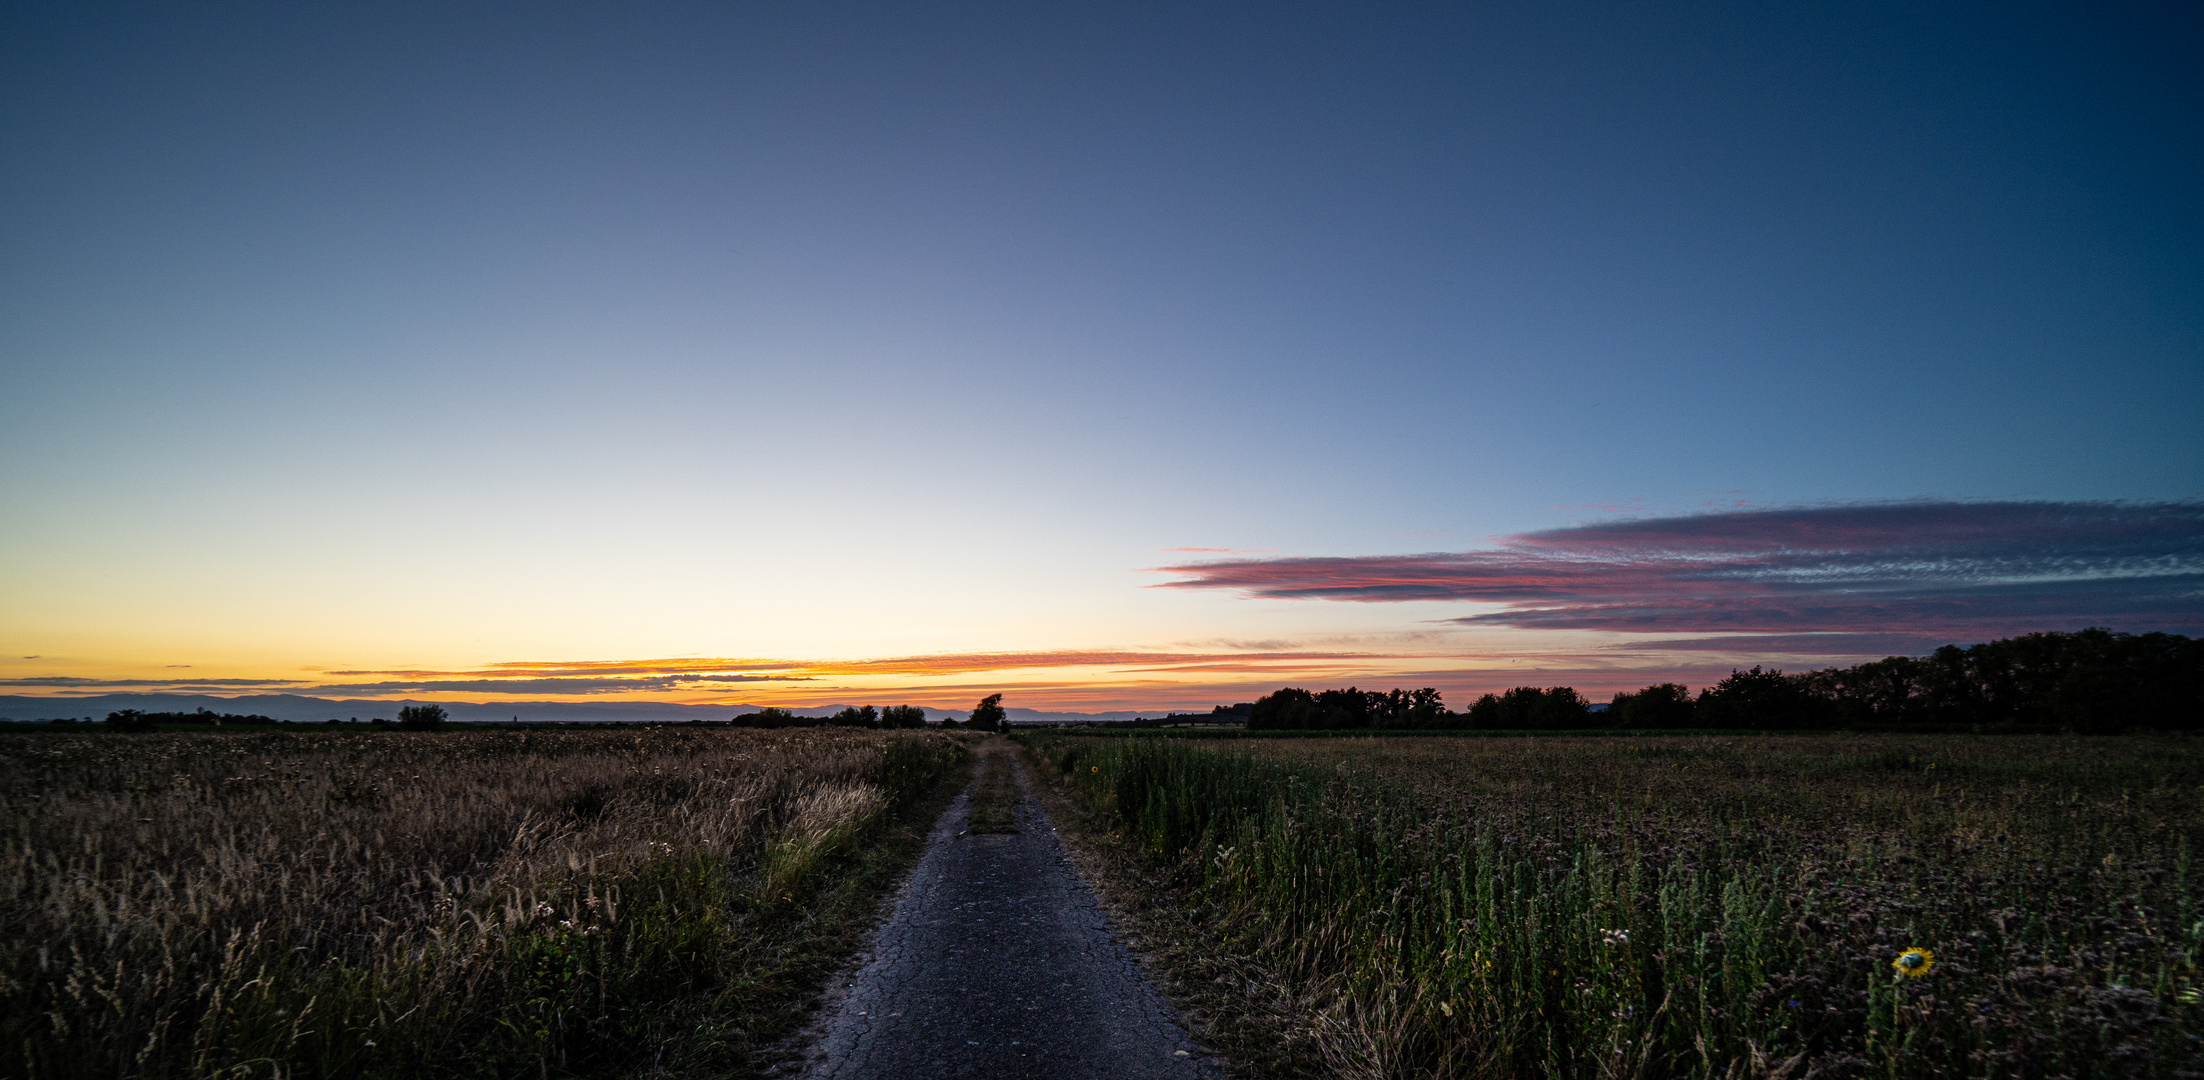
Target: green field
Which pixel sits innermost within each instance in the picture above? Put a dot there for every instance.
(505, 903)
(1691, 906)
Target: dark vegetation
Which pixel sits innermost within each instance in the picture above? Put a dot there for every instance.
(2094, 681)
(1235, 715)
(858, 716)
(473, 903)
(136, 721)
(1869, 905)
(421, 717)
(434, 718)
(1294, 709)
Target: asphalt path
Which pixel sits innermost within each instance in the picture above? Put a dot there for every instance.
(997, 962)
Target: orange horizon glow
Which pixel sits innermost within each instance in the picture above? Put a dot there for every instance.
(1051, 680)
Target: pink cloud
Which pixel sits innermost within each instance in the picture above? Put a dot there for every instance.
(1927, 568)
(1793, 644)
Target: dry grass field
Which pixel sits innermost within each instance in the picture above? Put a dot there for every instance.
(1779, 906)
(479, 903)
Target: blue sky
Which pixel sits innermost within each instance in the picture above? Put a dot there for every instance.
(423, 337)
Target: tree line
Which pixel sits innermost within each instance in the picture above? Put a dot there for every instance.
(1293, 709)
(2092, 681)
(410, 718)
(988, 715)
(137, 720)
(864, 716)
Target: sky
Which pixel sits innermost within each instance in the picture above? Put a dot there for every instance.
(1107, 356)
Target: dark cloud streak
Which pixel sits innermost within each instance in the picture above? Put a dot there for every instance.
(1794, 644)
(72, 680)
(1927, 568)
(571, 685)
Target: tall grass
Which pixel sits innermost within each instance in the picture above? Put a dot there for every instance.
(466, 903)
(1695, 907)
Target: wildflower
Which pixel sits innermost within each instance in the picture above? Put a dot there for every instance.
(1914, 963)
(1094, 768)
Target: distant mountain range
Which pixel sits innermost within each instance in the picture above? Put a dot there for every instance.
(303, 709)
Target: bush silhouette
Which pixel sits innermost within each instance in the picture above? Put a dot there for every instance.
(421, 717)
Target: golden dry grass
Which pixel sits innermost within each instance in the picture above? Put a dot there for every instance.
(420, 904)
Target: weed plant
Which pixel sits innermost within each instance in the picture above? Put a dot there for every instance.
(1694, 906)
(450, 904)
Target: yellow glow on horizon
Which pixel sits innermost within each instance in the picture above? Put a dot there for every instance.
(1070, 679)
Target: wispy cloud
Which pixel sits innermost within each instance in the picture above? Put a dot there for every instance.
(1793, 644)
(755, 669)
(1930, 569)
(1273, 667)
(71, 680)
(591, 668)
(571, 685)
(1270, 645)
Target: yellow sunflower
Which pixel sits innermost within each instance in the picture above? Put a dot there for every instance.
(1914, 963)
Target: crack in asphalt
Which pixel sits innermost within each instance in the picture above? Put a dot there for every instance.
(997, 962)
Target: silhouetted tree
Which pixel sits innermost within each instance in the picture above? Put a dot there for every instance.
(1556, 708)
(1292, 708)
(1289, 709)
(853, 716)
(988, 715)
(421, 717)
(902, 716)
(1664, 705)
(768, 717)
(129, 720)
(1762, 700)
(1424, 708)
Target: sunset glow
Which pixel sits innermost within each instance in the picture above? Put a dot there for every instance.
(1569, 606)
